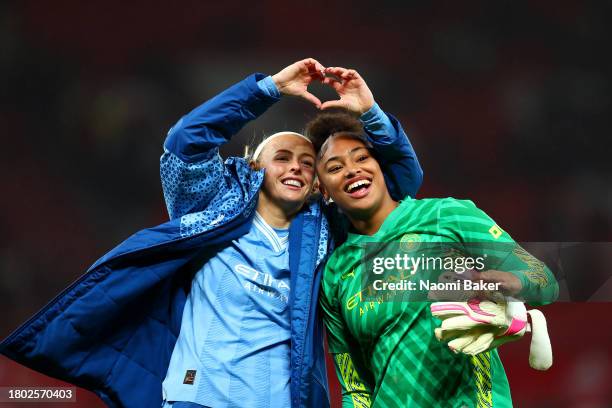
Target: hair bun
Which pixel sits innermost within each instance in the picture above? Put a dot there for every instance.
(328, 123)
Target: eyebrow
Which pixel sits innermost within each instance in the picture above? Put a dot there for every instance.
(290, 152)
(350, 152)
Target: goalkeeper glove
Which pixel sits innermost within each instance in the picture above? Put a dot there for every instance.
(479, 325)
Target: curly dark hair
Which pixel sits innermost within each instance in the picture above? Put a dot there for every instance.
(326, 124)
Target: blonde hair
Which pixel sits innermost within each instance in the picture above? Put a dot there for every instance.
(268, 139)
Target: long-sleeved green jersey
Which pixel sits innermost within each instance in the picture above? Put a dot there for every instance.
(384, 346)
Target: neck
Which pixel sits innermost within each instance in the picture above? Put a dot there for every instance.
(369, 225)
(274, 215)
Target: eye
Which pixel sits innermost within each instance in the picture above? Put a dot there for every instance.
(334, 169)
(282, 158)
(308, 163)
(363, 157)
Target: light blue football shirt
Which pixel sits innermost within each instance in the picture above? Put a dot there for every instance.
(233, 348)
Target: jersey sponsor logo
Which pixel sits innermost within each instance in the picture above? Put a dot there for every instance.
(263, 283)
(373, 297)
(496, 231)
(354, 300)
(370, 303)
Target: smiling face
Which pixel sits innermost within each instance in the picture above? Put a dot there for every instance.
(352, 178)
(289, 176)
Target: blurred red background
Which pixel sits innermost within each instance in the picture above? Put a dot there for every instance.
(506, 103)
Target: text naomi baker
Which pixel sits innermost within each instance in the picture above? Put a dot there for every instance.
(459, 285)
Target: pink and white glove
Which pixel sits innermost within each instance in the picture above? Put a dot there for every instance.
(478, 325)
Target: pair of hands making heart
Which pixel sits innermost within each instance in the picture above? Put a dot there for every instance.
(354, 93)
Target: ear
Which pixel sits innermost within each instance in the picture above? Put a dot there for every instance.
(324, 192)
(316, 186)
(254, 165)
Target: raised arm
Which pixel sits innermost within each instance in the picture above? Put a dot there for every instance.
(192, 171)
(403, 173)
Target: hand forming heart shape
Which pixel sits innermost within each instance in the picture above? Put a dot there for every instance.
(354, 94)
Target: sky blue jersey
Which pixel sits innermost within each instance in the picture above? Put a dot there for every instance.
(234, 345)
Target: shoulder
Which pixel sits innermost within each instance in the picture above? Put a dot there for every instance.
(435, 202)
(447, 216)
(453, 208)
(456, 203)
(240, 176)
(237, 194)
(447, 205)
(423, 210)
(463, 217)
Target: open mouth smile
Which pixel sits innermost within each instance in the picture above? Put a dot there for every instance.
(293, 184)
(358, 188)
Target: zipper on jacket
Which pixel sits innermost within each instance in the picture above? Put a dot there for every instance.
(312, 267)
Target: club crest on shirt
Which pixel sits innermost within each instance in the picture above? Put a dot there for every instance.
(409, 242)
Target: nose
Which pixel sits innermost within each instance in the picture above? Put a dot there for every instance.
(294, 166)
(352, 171)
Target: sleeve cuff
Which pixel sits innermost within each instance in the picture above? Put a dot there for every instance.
(375, 119)
(268, 87)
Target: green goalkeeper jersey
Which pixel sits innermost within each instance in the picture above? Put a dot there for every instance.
(384, 346)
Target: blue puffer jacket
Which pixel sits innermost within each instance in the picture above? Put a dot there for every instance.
(114, 329)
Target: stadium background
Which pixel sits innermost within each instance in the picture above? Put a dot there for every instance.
(506, 103)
